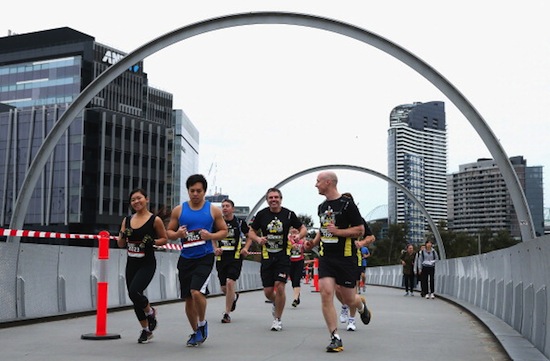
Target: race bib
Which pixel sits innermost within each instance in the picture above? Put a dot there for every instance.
(135, 251)
(193, 239)
(327, 237)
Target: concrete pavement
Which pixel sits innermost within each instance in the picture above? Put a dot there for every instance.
(402, 328)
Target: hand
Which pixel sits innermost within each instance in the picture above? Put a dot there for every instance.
(244, 252)
(182, 231)
(331, 228)
(204, 234)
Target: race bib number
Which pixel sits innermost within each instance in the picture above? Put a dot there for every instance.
(274, 243)
(327, 237)
(193, 239)
(135, 251)
(228, 245)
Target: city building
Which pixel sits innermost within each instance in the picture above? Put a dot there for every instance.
(377, 218)
(479, 198)
(184, 152)
(119, 142)
(546, 220)
(217, 199)
(417, 159)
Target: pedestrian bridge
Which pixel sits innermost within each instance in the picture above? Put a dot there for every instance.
(401, 329)
(504, 290)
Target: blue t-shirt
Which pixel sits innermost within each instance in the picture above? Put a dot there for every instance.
(364, 250)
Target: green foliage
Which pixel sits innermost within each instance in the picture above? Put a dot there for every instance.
(306, 219)
(387, 250)
(461, 244)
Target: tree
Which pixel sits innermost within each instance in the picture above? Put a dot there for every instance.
(386, 251)
(306, 219)
(462, 244)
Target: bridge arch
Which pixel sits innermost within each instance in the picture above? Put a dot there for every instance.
(411, 196)
(253, 18)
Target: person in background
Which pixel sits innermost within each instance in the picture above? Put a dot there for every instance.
(200, 225)
(347, 314)
(426, 264)
(361, 284)
(407, 260)
(229, 264)
(417, 271)
(139, 233)
(296, 263)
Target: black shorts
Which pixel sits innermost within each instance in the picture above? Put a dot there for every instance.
(361, 270)
(342, 269)
(194, 274)
(229, 268)
(276, 268)
(296, 272)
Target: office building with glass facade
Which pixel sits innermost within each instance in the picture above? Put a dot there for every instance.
(119, 141)
(417, 159)
(185, 152)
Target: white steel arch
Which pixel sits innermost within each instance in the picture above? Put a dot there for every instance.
(476, 120)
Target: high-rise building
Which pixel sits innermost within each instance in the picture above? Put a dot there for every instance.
(185, 139)
(417, 159)
(479, 198)
(119, 141)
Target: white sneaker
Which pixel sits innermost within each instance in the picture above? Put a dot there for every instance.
(277, 325)
(351, 324)
(344, 314)
(432, 296)
(427, 296)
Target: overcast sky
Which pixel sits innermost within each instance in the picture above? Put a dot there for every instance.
(272, 100)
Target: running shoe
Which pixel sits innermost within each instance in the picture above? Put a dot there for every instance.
(192, 342)
(296, 302)
(365, 315)
(277, 325)
(226, 318)
(234, 305)
(202, 333)
(351, 324)
(152, 320)
(432, 296)
(145, 336)
(344, 314)
(335, 345)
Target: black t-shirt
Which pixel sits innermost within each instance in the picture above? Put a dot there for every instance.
(343, 213)
(231, 244)
(368, 232)
(275, 227)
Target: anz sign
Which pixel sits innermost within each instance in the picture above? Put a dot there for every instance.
(112, 57)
